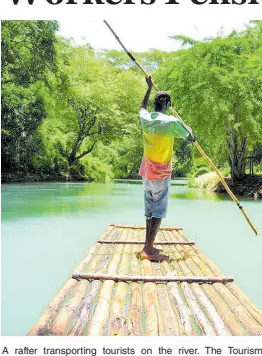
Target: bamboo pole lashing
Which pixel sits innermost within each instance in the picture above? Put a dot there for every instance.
(196, 144)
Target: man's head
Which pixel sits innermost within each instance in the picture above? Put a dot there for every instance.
(162, 101)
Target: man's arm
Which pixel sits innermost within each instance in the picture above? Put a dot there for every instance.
(183, 131)
(145, 101)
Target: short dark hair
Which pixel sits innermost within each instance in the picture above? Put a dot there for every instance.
(161, 98)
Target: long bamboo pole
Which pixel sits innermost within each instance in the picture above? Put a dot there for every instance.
(125, 278)
(173, 324)
(130, 242)
(117, 319)
(142, 227)
(153, 312)
(134, 318)
(196, 144)
(80, 319)
(198, 312)
(184, 314)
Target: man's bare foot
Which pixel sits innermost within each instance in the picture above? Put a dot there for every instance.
(145, 255)
(156, 250)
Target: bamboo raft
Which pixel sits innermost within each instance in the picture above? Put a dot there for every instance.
(113, 292)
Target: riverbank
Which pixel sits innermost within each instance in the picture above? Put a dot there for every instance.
(250, 187)
(21, 177)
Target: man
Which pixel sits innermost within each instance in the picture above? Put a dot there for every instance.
(159, 131)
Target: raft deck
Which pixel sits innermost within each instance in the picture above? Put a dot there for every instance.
(113, 292)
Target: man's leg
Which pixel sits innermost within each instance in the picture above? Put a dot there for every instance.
(152, 227)
(156, 197)
(149, 252)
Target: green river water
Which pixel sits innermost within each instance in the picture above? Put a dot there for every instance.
(48, 227)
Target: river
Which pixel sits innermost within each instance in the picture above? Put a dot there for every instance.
(48, 227)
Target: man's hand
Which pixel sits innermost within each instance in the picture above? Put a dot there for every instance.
(149, 82)
(191, 137)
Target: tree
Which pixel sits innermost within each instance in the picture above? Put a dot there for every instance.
(28, 55)
(218, 92)
(92, 102)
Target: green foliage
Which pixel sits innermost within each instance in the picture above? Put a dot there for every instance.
(71, 113)
(182, 159)
(97, 170)
(217, 87)
(199, 167)
(184, 39)
(28, 55)
(27, 51)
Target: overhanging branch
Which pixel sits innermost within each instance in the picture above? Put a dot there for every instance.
(86, 152)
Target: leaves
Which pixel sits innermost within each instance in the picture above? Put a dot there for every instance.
(218, 82)
(68, 111)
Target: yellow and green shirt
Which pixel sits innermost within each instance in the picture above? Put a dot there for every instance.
(159, 131)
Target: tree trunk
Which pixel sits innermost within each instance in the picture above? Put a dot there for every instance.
(236, 149)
